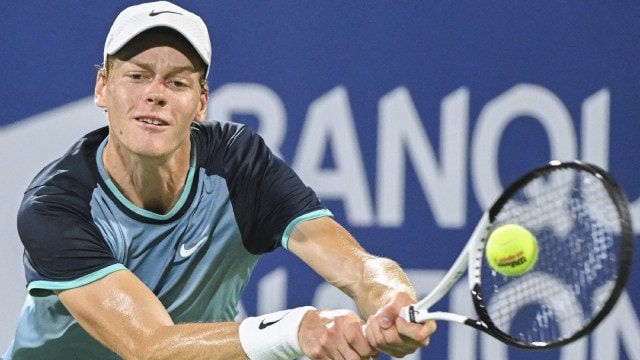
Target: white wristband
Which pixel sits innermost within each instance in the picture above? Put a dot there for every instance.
(273, 336)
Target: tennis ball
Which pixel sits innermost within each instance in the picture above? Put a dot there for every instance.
(511, 250)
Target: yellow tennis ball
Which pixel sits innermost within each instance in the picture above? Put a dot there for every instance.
(511, 250)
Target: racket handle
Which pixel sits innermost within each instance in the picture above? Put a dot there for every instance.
(419, 316)
(415, 315)
(406, 312)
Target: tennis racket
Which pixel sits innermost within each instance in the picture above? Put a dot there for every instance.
(580, 217)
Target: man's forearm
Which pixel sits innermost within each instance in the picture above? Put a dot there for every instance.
(193, 341)
(381, 279)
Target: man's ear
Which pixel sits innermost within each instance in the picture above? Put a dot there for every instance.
(99, 91)
(204, 100)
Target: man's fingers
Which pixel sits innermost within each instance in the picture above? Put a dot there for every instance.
(418, 332)
(386, 316)
(359, 342)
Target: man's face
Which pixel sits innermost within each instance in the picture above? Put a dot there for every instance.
(152, 94)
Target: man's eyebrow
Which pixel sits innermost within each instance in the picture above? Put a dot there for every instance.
(186, 68)
(173, 70)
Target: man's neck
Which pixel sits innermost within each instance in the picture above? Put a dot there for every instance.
(151, 184)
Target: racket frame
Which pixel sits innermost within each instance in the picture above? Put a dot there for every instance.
(471, 257)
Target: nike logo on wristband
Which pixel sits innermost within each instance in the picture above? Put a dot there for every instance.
(264, 324)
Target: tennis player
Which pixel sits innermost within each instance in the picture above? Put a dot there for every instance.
(141, 238)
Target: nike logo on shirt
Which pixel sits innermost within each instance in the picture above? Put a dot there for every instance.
(186, 252)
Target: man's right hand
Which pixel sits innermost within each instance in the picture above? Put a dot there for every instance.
(334, 334)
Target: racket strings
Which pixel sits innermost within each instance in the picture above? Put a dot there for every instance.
(578, 229)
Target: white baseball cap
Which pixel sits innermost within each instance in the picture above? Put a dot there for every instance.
(138, 18)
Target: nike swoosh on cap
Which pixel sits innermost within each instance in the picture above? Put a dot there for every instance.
(154, 13)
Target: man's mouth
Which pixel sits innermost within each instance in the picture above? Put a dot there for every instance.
(151, 121)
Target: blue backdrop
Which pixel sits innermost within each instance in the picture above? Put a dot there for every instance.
(407, 117)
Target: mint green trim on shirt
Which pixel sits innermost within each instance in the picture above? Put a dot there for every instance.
(131, 206)
(292, 225)
(44, 288)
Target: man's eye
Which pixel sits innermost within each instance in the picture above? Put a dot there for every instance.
(178, 84)
(136, 76)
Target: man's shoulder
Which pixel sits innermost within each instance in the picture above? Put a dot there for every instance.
(76, 168)
(219, 136)
(219, 129)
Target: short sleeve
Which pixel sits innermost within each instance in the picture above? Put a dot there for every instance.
(61, 242)
(266, 194)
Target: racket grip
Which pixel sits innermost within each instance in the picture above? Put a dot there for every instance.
(411, 314)
(408, 313)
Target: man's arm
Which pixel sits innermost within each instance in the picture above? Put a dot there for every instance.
(378, 285)
(124, 315)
